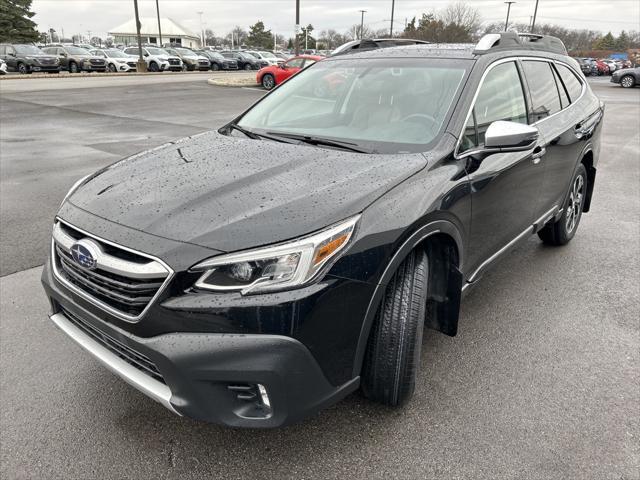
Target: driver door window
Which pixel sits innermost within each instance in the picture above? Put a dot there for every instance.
(500, 98)
(295, 63)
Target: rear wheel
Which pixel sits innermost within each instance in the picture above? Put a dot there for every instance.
(395, 343)
(562, 231)
(628, 81)
(268, 82)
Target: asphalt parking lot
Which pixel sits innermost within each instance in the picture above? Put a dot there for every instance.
(542, 381)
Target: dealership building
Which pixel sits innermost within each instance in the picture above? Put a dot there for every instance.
(172, 32)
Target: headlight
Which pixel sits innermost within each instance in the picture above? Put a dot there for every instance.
(162, 59)
(74, 188)
(289, 265)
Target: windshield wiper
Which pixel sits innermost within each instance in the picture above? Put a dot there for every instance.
(253, 135)
(352, 147)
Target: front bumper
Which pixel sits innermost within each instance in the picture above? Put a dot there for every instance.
(44, 68)
(202, 375)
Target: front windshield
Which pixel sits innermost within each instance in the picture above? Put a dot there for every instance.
(156, 51)
(77, 51)
(216, 55)
(386, 105)
(185, 52)
(252, 54)
(116, 54)
(28, 50)
(267, 55)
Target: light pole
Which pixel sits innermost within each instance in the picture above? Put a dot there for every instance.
(362, 12)
(393, 7)
(201, 30)
(535, 14)
(297, 43)
(506, 24)
(159, 26)
(142, 65)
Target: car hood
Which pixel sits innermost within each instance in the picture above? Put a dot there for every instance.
(230, 193)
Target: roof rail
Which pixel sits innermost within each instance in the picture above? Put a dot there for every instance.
(492, 42)
(373, 44)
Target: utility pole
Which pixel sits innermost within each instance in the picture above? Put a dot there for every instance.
(201, 30)
(159, 26)
(142, 65)
(535, 14)
(297, 43)
(362, 12)
(506, 24)
(393, 7)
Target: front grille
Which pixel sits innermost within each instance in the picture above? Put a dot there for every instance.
(47, 61)
(96, 61)
(123, 290)
(132, 64)
(203, 62)
(126, 353)
(174, 61)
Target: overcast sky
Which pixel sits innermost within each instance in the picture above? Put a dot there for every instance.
(99, 16)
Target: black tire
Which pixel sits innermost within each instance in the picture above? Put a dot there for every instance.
(247, 66)
(393, 351)
(215, 67)
(562, 231)
(268, 81)
(22, 68)
(73, 67)
(154, 67)
(628, 81)
(112, 68)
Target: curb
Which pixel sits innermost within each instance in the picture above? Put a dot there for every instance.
(233, 82)
(39, 76)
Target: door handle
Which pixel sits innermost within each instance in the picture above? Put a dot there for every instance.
(537, 154)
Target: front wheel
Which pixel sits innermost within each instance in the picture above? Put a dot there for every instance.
(393, 352)
(153, 67)
(268, 82)
(628, 81)
(23, 69)
(562, 231)
(247, 66)
(215, 67)
(112, 68)
(73, 67)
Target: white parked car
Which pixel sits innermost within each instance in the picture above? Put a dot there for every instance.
(611, 64)
(268, 57)
(3, 67)
(117, 61)
(158, 59)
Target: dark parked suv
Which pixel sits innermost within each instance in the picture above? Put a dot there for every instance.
(28, 59)
(254, 275)
(76, 59)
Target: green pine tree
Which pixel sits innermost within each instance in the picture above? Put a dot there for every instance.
(15, 22)
(622, 42)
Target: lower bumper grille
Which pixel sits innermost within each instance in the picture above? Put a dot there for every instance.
(126, 353)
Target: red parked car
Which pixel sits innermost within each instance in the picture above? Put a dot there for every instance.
(274, 75)
(603, 68)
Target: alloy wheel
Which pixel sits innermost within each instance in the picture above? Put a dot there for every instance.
(627, 81)
(574, 208)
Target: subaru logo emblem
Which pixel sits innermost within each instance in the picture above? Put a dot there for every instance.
(84, 254)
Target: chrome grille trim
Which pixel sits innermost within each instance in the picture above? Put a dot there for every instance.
(112, 264)
(101, 281)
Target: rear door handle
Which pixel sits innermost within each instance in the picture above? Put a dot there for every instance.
(537, 154)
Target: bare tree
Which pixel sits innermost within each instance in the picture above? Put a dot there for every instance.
(463, 15)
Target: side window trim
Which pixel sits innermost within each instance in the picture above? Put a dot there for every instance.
(578, 77)
(560, 85)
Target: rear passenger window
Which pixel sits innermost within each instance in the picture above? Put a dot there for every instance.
(571, 82)
(564, 98)
(544, 95)
(500, 98)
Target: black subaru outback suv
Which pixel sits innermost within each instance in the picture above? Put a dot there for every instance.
(256, 274)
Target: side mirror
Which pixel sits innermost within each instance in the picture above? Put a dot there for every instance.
(11, 54)
(502, 136)
(63, 54)
(146, 54)
(283, 66)
(510, 136)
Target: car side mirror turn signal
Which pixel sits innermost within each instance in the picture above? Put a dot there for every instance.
(502, 136)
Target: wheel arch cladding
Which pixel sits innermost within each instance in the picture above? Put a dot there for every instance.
(587, 161)
(443, 244)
